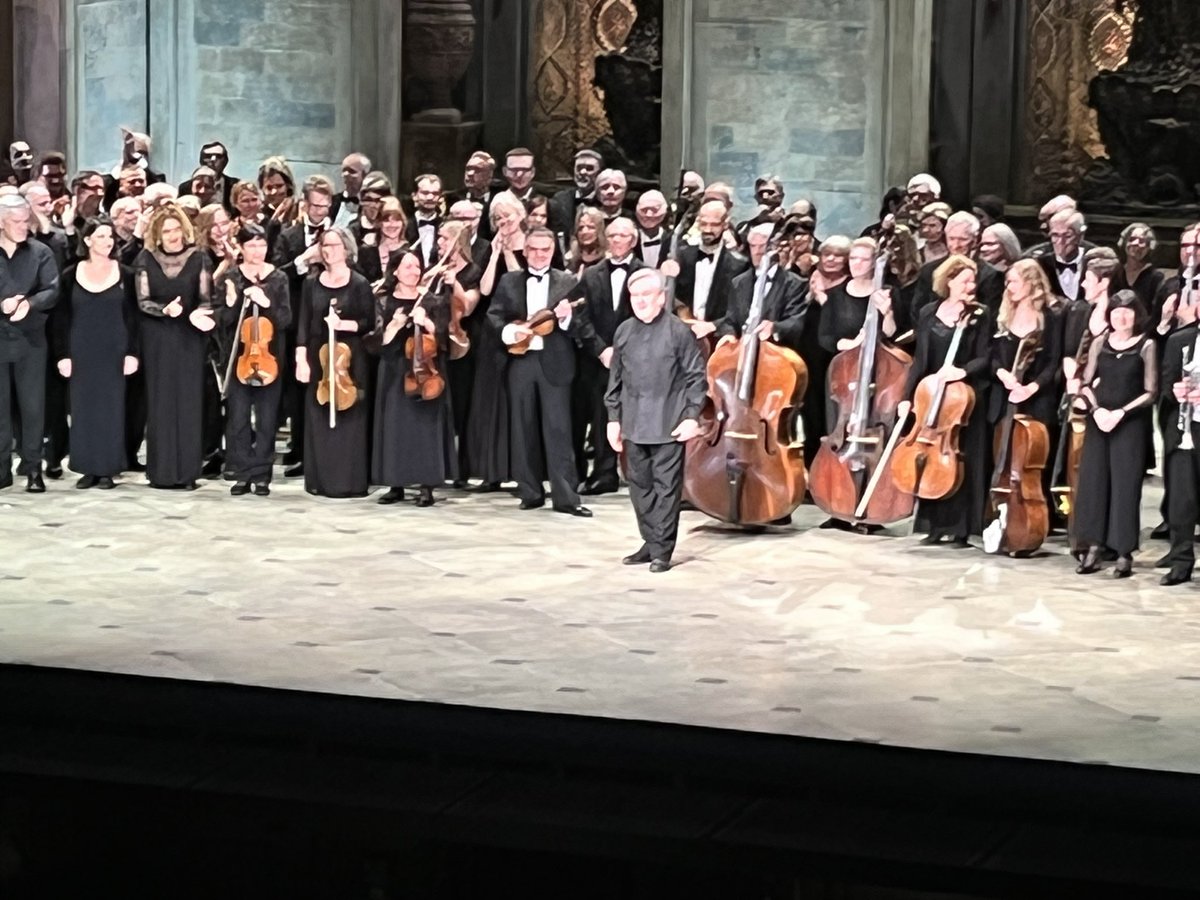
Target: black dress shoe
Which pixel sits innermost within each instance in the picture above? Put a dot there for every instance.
(395, 495)
(1124, 567)
(105, 483)
(262, 490)
(291, 458)
(425, 498)
(1160, 532)
(532, 504)
(1090, 563)
(582, 511)
(489, 487)
(660, 565)
(34, 484)
(87, 481)
(641, 557)
(55, 472)
(459, 484)
(213, 467)
(782, 520)
(1176, 576)
(189, 486)
(592, 488)
(930, 540)
(240, 489)
(296, 471)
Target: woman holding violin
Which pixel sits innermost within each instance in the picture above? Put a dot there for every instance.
(414, 433)
(336, 312)
(462, 277)
(960, 514)
(1120, 384)
(254, 311)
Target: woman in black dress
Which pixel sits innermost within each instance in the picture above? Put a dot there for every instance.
(487, 426)
(414, 438)
(174, 292)
(463, 279)
(1138, 274)
(338, 299)
(1120, 383)
(261, 290)
(381, 249)
(959, 515)
(94, 339)
(832, 269)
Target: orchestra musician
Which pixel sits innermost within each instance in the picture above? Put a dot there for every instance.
(704, 273)
(783, 312)
(1180, 416)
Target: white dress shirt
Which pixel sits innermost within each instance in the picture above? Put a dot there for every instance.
(537, 297)
(310, 238)
(652, 247)
(617, 279)
(427, 231)
(705, 270)
(1069, 279)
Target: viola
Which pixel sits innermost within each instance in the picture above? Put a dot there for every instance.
(1020, 517)
(336, 389)
(257, 366)
(867, 384)
(541, 324)
(747, 465)
(422, 380)
(928, 463)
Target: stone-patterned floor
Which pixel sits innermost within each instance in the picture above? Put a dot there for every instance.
(799, 631)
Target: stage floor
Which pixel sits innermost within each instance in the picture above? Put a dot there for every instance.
(799, 631)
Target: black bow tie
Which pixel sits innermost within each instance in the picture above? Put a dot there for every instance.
(1061, 266)
(651, 242)
(435, 222)
(536, 277)
(624, 267)
(707, 256)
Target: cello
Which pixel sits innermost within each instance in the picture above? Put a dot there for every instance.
(867, 384)
(746, 467)
(928, 463)
(1020, 516)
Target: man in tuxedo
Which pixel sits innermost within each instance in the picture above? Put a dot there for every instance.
(479, 186)
(611, 190)
(704, 273)
(962, 238)
(564, 205)
(1064, 265)
(135, 151)
(768, 193)
(346, 208)
(297, 251)
(214, 156)
(605, 288)
(519, 173)
(427, 218)
(468, 212)
(782, 316)
(1181, 467)
(539, 381)
(653, 241)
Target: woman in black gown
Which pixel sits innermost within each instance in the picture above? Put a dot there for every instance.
(462, 278)
(487, 427)
(335, 455)
(173, 281)
(1120, 383)
(1139, 274)
(959, 515)
(94, 340)
(832, 269)
(414, 438)
(381, 249)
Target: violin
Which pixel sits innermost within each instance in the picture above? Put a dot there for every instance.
(1020, 517)
(256, 367)
(928, 463)
(336, 389)
(542, 323)
(422, 380)
(747, 465)
(867, 384)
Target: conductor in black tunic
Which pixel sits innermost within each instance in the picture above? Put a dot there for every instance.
(539, 382)
(656, 386)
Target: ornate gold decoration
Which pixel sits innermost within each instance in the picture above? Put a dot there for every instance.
(568, 109)
(1070, 41)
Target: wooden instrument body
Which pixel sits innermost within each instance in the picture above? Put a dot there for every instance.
(423, 379)
(460, 341)
(851, 452)
(747, 467)
(1017, 484)
(257, 366)
(345, 393)
(542, 324)
(928, 463)
(706, 343)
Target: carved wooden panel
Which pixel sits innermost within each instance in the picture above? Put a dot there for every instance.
(1069, 42)
(568, 109)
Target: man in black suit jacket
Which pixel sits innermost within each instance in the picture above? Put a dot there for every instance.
(216, 157)
(783, 311)
(704, 274)
(480, 185)
(539, 381)
(1064, 265)
(1182, 467)
(605, 288)
(962, 239)
(423, 225)
(564, 205)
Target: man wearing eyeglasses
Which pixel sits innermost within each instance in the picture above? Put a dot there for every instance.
(519, 172)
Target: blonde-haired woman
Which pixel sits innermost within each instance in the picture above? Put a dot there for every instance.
(173, 281)
(588, 243)
(958, 516)
(1025, 316)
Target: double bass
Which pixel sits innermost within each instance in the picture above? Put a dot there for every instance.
(1020, 516)
(867, 383)
(928, 463)
(747, 465)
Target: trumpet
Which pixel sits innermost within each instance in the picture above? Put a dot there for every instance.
(1191, 377)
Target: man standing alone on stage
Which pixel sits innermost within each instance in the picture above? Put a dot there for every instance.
(656, 386)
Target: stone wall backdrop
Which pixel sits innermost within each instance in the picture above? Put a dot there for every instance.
(795, 88)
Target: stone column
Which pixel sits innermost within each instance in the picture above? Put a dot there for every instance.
(37, 82)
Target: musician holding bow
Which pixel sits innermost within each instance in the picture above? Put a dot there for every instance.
(255, 316)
